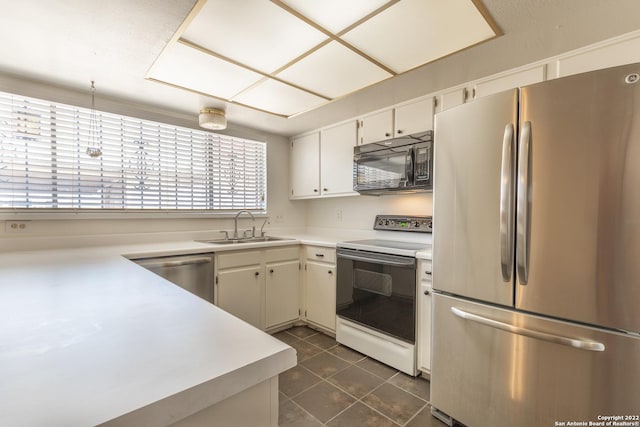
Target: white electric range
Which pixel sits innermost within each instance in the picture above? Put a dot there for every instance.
(376, 293)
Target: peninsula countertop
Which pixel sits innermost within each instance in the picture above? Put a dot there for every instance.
(89, 338)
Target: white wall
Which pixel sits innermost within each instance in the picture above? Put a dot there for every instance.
(358, 212)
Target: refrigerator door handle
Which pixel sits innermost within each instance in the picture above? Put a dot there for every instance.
(556, 339)
(522, 221)
(507, 203)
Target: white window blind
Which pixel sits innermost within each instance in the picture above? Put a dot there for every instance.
(144, 164)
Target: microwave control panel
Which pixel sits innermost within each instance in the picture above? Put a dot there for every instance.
(419, 224)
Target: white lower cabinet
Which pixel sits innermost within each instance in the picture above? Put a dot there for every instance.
(282, 293)
(259, 286)
(239, 292)
(320, 287)
(424, 292)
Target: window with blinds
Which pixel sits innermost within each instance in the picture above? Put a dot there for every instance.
(144, 165)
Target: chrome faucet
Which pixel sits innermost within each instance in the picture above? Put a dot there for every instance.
(235, 225)
(266, 221)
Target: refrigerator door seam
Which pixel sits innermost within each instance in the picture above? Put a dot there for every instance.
(531, 333)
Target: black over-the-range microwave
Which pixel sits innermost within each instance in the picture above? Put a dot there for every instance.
(398, 165)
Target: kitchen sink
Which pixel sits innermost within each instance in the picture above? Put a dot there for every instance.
(244, 240)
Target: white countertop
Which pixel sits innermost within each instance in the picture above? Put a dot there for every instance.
(89, 337)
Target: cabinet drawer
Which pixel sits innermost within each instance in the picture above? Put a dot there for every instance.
(320, 253)
(282, 254)
(424, 271)
(237, 259)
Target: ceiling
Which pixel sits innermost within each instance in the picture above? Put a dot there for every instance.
(286, 57)
(67, 43)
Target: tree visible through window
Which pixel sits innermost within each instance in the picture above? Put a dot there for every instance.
(144, 165)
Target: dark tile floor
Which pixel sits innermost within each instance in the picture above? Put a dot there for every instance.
(335, 386)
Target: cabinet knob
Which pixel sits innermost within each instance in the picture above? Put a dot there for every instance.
(399, 131)
(330, 272)
(325, 189)
(271, 271)
(257, 273)
(320, 255)
(315, 190)
(426, 292)
(387, 134)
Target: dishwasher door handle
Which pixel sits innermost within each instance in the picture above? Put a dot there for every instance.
(177, 263)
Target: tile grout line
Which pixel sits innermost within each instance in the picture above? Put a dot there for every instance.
(426, 402)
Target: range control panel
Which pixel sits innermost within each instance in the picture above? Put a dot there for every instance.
(419, 224)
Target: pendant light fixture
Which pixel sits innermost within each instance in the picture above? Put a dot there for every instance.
(212, 118)
(93, 147)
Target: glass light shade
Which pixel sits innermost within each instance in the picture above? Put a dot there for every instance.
(212, 118)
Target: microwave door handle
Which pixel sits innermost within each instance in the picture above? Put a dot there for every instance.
(410, 166)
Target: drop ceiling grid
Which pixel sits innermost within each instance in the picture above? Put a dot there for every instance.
(287, 56)
(334, 71)
(335, 15)
(415, 32)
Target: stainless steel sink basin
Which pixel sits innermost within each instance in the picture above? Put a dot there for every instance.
(245, 240)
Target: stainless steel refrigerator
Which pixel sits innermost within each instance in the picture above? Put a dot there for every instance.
(536, 254)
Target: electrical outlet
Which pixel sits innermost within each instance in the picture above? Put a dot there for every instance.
(15, 226)
(339, 215)
(279, 218)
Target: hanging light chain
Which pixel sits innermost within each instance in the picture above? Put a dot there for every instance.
(93, 148)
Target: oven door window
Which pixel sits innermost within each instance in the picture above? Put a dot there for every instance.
(385, 169)
(379, 296)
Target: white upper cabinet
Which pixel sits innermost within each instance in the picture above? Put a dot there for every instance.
(404, 119)
(491, 85)
(376, 127)
(336, 159)
(622, 51)
(509, 81)
(414, 117)
(322, 162)
(305, 166)
(451, 99)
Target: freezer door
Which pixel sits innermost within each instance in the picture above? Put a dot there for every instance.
(578, 227)
(496, 367)
(473, 206)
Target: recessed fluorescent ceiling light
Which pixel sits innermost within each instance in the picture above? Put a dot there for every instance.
(286, 57)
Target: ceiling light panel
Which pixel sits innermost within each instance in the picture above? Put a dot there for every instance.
(335, 15)
(256, 33)
(333, 71)
(192, 69)
(279, 98)
(413, 32)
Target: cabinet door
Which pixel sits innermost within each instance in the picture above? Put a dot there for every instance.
(451, 99)
(336, 159)
(240, 293)
(510, 81)
(424, 315)
(376, 127)
(321, 294)
(305, 166)
(281, 292)
(414, 117)
(603, 56)
(424, 337)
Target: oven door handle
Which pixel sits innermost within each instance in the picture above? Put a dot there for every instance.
(409, 262)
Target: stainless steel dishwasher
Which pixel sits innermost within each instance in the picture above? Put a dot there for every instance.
(191, 272)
